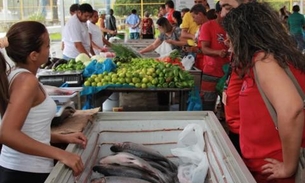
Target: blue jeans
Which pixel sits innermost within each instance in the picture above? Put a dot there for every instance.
(299, 40)
(134, 35)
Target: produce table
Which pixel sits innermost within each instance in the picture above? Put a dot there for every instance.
(99, 98)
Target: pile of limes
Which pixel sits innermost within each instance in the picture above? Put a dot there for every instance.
(144, 73)
(71, 65)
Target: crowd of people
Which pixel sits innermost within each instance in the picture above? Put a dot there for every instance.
(250, 38)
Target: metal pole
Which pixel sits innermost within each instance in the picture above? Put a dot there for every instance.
(62, 14)
(5, 9)
(142, 9)
(302, 6)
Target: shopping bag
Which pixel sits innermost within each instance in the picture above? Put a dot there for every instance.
(164, 49)
(188, 62)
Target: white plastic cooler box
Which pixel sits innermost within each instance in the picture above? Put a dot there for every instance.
(158, 130)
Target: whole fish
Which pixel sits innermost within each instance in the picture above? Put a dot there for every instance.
(130, 160)
(142, 152)
(123, 171)
(117, 179)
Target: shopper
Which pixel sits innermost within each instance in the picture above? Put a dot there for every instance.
(296, 22)
(147, 27)
(268, 152)
(101, 22)
(212, 37)
(170, 8)
(133, 22)
(232, 86)
(76, 35)
(27, 110)
(168, 33)
(111, 24)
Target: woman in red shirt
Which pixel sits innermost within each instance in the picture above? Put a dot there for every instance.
(259, 40)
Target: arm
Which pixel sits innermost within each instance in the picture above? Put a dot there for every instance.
(75, 138)
(205, 48)
(274, 82)
(151, 47)
(104, 29)
(106, 42)
(24, 94)
(80, 48)
(186, 35)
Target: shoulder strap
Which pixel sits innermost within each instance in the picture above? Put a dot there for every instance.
(14, 73)
(267, 102)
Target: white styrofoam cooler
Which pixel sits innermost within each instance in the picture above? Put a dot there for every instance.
(158, 130)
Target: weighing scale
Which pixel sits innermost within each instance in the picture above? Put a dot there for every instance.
(65, 107)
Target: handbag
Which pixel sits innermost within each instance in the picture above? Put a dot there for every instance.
(300, 174)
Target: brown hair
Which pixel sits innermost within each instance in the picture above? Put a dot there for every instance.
(164, 23)
(24, 38)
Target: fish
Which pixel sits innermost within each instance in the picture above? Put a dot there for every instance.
(117, 170)
(130, 160)
(164, 170)
(118, 179)
(142, 152)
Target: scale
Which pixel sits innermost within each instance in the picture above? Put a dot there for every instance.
(58, 78)
(64, 107)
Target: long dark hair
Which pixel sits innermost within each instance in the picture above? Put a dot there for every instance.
(256, 27)
(177, 16)
(24, 38)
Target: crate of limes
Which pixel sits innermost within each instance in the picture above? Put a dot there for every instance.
(71, 65)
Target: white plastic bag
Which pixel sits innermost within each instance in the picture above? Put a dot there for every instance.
(193, 167)
(164, 49)
(188, 62)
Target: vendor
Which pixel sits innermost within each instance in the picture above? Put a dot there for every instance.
(27, 110)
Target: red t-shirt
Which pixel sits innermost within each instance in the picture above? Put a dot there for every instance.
(232, 102)
(258, 137)
(170, 16)
(212, 32)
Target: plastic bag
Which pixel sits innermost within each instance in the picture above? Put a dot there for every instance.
(194, 101)
(188, 62)
(194, 164)
(96, 67)
(221, 82)
(164, 49)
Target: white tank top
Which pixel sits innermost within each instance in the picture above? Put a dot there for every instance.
(37, 125)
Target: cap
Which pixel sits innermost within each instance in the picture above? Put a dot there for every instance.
(217, 7)
(102, 12)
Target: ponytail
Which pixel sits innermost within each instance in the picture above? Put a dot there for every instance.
(4, 91)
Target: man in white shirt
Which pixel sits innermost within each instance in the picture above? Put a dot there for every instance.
(96, 35)
(75, 35)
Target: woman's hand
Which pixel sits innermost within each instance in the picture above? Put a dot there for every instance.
(276, 169)
(73, 161)
(76, 138)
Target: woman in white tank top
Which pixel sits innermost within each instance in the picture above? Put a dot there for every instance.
(27, 110)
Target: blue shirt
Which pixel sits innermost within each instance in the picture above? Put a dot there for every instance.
(132, 20)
